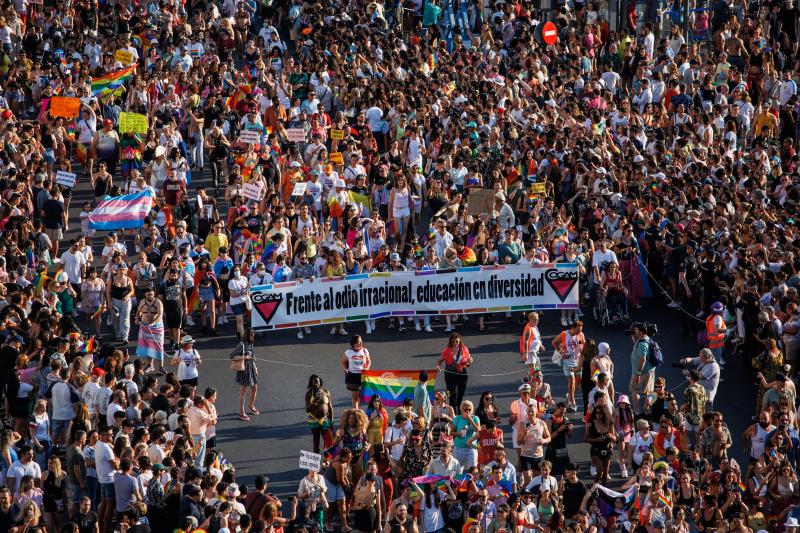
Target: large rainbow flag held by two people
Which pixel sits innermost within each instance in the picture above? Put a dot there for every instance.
(394, 386)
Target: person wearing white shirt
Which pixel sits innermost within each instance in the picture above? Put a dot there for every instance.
(788, 88)
(24, 466)
(611, 79)
(443, 239)
(505, 214)
(74, 263)
(643, 97)
(374, 116)
(115, 406)
(106, 464)
(445, 464)
(395, 438)
(649, 41)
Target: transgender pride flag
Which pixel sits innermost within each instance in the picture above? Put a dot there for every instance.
(121, 212)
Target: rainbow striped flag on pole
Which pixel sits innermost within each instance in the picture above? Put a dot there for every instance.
(121, 212)
(112, 80)
(394, 386)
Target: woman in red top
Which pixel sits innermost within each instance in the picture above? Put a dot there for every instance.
(455, 359)
(616, 293)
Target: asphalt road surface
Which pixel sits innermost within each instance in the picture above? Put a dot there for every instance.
(270, 443)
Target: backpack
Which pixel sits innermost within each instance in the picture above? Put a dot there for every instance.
(455, 512)
(654, 355)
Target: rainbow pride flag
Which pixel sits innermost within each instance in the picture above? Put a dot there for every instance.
(394, 386)
(88, 346)
(112, 80)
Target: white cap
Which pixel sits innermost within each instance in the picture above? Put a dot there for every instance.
(638, 158)
(295, 164)
(340, 183)
(601, 170)
(603, 348)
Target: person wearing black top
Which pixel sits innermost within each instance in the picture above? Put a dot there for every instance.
(572, 491)
(689, 286)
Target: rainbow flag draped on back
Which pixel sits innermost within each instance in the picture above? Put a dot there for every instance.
(112, 80)
(394, 386)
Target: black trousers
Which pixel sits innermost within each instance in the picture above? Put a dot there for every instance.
(456, 383)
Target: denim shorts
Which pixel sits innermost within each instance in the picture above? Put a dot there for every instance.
(75, 492)
(60, 426)
(335, 492)
(239, 309)
(107, 491)
(568, 370)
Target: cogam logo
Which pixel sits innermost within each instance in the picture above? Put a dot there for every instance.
(266, 304)
(561, 281)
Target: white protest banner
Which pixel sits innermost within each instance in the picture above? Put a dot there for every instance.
(310, 461)
(252, 191)
(67, 179)
(299, 188)
(249, 137)
(297, 135)
(467, 290)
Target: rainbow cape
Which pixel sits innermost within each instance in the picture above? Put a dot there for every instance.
(394, 386)
(112, 80)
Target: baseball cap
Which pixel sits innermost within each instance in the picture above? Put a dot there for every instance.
(99, 372)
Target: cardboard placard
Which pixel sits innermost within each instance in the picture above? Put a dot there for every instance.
(337, 135)
(249, 137)
(124, 57)
(252, 191)
(299, 188)
(64, 106)
(310, 461)
(133, 122)
(336, 158)
(480, 201)
(539, 188)
(66, 179)
(296, 135)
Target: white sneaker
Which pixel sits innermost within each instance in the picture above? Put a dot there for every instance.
(448, 329)
(299, 333)
(308, 331)
(592, 471)
(342, 332)
(673, 304)
(333, 330)
(369, 329)
(722, 361)
(189, 321)
(623, 470)
(563, 321)
(417, 327)
(429, 329)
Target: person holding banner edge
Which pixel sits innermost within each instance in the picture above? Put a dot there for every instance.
(454, 361)
(354, 361)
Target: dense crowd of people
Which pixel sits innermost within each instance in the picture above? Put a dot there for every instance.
(658, 152)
